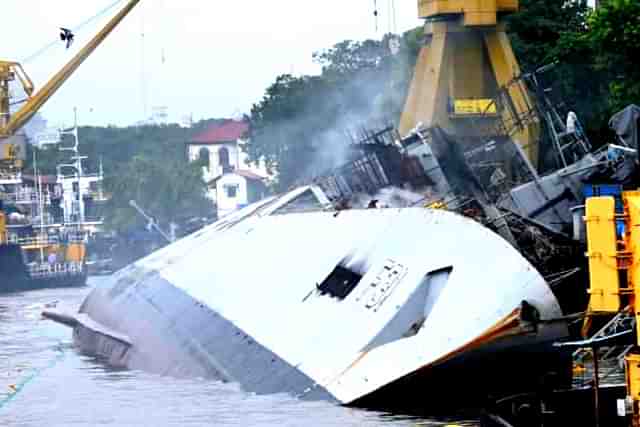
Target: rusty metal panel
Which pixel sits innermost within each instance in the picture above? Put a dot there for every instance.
(604, 283)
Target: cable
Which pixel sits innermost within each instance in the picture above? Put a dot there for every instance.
(375, 13)
(74, 29)
(34, 374)
(393, 15)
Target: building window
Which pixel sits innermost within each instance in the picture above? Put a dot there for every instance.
(231, 190)
(204, 157)
(223, 156)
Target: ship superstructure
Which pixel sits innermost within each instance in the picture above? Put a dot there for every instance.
(51, 219)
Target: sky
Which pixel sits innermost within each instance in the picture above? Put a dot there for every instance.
(199, 58)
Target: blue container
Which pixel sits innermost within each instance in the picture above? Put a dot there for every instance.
(597, 190)
(614, 190)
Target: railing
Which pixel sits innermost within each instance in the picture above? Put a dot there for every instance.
(34, 240)
(28, 197)
(98, 196)
(34, 221)
(59, 269)
(10, 177)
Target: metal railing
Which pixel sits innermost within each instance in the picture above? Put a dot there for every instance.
(30, 197)
(34, 240)
(59, 269)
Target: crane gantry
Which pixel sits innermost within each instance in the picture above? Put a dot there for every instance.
(466, 59)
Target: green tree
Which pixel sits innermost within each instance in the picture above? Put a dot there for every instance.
(537, 27)
(143, 163)
(204, 157)
(614, 35)
(556, 31)
(167, 189)
(299, 127)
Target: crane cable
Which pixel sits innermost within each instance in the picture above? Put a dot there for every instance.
(375, 13)
(15, 389)
(74, 29)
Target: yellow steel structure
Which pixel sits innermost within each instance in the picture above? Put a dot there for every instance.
(3, 228)
(474, 106)
(602, 252)
(632, 369)
(632, 245)
(75, 252)
(467, 56)
(9, 71)
(608, 255)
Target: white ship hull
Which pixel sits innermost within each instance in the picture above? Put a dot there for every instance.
(248, 301)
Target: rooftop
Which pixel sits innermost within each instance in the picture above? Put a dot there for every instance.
(229, 131)
(241, 172)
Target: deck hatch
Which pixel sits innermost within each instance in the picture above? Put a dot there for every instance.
(340, 282)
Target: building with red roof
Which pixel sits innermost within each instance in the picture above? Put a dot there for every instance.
(232, 182)
(229, 131)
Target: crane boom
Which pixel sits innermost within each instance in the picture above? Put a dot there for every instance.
(27, 111)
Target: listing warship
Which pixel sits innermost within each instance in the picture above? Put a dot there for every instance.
(321, 294)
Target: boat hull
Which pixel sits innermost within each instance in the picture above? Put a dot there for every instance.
(14, 276)
(253, 303)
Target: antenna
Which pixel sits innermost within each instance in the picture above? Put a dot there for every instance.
(393, 15)
(143, 80)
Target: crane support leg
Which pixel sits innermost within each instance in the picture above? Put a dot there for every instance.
(465, 70)
(632, 243)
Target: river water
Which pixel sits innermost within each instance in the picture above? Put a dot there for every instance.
(45, 382)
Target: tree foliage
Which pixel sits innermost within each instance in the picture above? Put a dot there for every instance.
(539, 25)
(614, 36)
(299, 127)
(298, 121)
(147, 164)
(169, 189)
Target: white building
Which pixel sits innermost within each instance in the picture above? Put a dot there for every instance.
(231, 181)
(236, 189)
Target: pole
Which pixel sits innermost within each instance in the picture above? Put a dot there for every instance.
(596, 387)
(36, 182)
(79, 168)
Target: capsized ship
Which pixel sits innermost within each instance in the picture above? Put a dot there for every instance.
(289, 295)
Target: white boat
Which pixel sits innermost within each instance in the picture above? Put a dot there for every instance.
(368, 307)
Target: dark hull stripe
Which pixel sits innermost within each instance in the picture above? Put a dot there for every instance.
(173, 334)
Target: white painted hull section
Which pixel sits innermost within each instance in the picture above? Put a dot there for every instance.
(261, 275)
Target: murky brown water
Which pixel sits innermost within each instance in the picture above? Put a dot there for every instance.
(45, 382)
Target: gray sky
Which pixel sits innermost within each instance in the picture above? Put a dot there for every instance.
(219, 55)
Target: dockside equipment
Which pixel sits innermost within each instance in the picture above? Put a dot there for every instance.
(466, 57)
(614, 253)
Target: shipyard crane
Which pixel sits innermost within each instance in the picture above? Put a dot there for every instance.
(466, 59)
(9, 71)
(11, 143)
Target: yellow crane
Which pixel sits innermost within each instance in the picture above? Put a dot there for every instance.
(467, 57)
(9, 71)
(10, 144)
